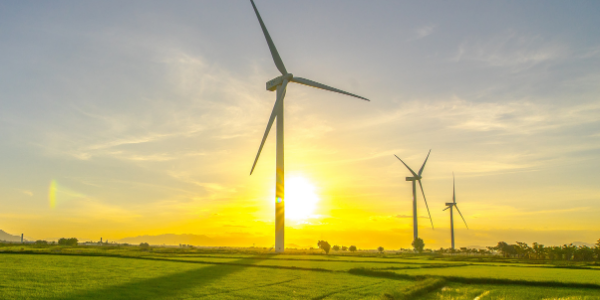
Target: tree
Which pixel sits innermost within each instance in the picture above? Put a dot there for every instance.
(144, 245)
(380, 249)
(352, 248)
(506, 249)
(539, 251)
(418, 244)
(344, 248)
(584, 253)
(324, 245)
(554, 253)
(502, 248)
(336, 248)
(523, 250)
(568, 251)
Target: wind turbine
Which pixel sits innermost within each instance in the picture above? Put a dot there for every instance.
(451, 205)
(417, 177)
(279, 84)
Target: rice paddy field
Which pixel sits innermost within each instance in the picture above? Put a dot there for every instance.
(130, 273)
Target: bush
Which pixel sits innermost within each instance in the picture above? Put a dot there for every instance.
(144, 245)
(68, 242)
(41, 243)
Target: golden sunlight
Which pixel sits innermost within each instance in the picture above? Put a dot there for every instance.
(300, 198)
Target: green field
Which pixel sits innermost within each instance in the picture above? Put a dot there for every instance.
(163, 273)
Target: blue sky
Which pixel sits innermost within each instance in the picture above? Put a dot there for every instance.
(148, 116)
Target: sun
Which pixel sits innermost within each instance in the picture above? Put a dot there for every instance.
(300, 198)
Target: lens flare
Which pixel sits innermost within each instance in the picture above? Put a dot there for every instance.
(61, 194)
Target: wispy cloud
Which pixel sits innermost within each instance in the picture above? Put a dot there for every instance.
(26, 192)
(511, 49)
(425, 31)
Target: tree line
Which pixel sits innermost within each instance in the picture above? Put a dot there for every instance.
(539, 251)
(326, 247)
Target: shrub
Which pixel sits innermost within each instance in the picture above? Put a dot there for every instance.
(41, 243)
(68, 242)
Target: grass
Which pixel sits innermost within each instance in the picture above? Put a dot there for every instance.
(91, 272)
(79, 277)
(418, 289)
(509, 273)
(456, 291)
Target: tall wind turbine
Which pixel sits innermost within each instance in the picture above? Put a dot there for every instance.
(451, 205)
(417, 177)
(279, 84)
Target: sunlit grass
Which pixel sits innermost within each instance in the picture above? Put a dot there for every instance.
(132, 272)
(77, 277)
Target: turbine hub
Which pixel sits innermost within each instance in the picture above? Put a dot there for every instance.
(414, 178)
(277, 81)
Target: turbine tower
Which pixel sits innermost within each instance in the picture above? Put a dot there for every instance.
(279, 84)
(451, 205)
(417, 178)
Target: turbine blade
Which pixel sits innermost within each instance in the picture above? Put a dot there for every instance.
(445, 209)
(413, 172)
(274, 53)
(278, 102)
(453, 189)
(423, 166)
(422, 192)
(462, 216)
(324, 87)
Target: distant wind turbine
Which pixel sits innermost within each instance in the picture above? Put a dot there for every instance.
(279, 84)
(451, 205)
(417, 177)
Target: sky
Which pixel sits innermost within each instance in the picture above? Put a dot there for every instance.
(124, 119)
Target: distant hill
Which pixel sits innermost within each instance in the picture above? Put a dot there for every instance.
(583, 244)
(172, 239)
(9, 237)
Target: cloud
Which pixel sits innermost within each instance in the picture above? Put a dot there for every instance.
(28, 193)
(510, 49)
(425, 31)
(409, 217)
(391, 218)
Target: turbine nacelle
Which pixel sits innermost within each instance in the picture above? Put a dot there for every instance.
(417, 178)
(277, 81)
(450, 203)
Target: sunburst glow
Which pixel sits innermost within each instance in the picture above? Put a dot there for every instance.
(300, 198)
